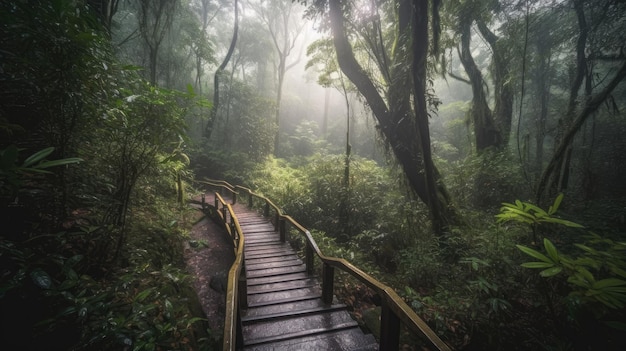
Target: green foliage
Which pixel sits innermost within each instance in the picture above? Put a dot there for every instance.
(583, 272)
(525, 212)
(147, 303)
(12, 174)
(243, 125)
(482, 181)
(585, 283)
(83, 274)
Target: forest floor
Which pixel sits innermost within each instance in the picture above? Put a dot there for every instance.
(209, 256)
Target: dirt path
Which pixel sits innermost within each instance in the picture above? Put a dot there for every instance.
(209, 255)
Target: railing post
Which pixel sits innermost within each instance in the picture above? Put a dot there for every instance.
(266, 212)
(203, 201)
(309, 258)
(239, 338)
(283, 229)
(243, 287)
(234, 197)
(216, 202)
(224, 212)
(389, 328)
(328, 282)
(250, 199)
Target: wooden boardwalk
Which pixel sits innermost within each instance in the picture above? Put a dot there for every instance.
(285, 309)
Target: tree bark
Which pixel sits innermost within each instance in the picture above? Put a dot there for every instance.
(486, 132)
(216, 81)
(503, 108)
(396, 125)
(561, 152)
(420, 55)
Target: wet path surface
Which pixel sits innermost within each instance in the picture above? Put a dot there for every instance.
(285, 309)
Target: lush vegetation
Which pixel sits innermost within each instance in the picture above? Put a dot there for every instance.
(91, 245)
(467, 153)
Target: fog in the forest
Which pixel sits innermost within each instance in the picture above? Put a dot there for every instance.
(469, 154)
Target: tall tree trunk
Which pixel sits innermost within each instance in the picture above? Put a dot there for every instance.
(554, 174)
(216, 81)
(154, 54)
(485, 131)
(542, 93)
(105, 10)
(559, 159)
(420, 55)
(503, 107)
(398, 133)
(279, 96)
(325, 120)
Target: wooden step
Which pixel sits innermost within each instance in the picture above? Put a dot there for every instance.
(250, 266)
(267, 247)
(296, 327)
(276, 279)
(348, 339)
(285, 307)
(282, 286)
(293, 313)
(269, 272)
(273, 298)
(260, 241)
(250, 261)
(269, 253)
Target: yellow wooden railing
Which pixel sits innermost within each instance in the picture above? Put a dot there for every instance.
(394, 310)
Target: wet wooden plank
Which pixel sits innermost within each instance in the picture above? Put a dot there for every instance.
(276, 279)
(300, 326)
(282, 286)
(275, 264)
(285, 310)
(348, 339)
(275, 271)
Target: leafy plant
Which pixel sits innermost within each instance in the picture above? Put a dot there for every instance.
(609, 291)
(12, 173)
(528, 213)
(525, 212)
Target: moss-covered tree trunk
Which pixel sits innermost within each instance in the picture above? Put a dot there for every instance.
(397, 122)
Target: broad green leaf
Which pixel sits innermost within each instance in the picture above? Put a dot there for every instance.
(519, 204)
(551, 271)
(37, 156)
(609, 282)
(586, 261)
(144, 294)
(555, 206)
(61, 162)
(534, 253)
(537, 265)
(537, 209)
(586, 248)
(33, 170)
(586, 275)
(551, 250)
(562, 221)
(521, 213)
(618, 271)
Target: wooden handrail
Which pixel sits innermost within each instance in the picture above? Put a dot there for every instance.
(220, 185)
(393, 308)
(236, 290)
